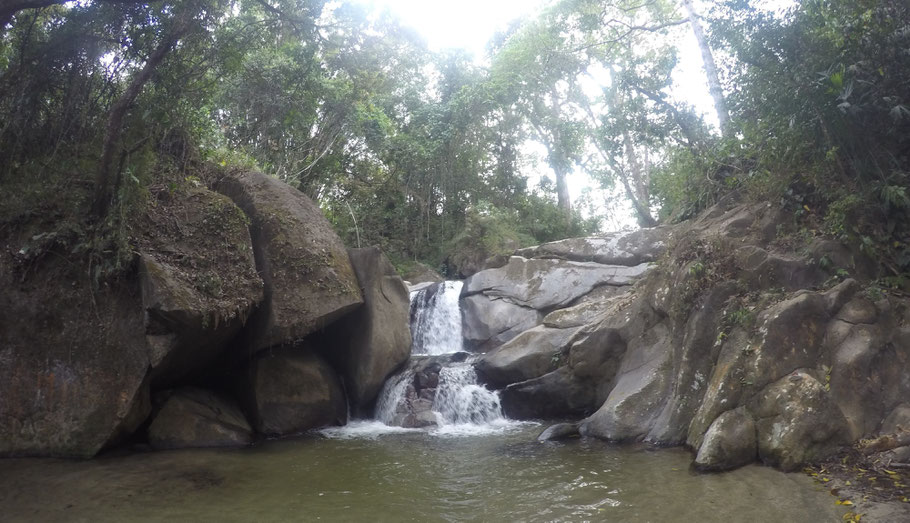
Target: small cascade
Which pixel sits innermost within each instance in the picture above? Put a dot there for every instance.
(438, 389)
(436, 319)
(460, 400)
(393, 393)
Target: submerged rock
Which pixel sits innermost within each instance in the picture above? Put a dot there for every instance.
(193, 417)
(558, 431)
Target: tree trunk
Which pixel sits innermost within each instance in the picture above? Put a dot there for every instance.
(886, 442)
(562, 190)
(639, 187)
(104, 176)
(717, 93)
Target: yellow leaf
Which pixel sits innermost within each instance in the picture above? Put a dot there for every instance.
(848, 483)
(826, 480)
(905, 500)
(806, 207)
(890, 472)
(845, 502)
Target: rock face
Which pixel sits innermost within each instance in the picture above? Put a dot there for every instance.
(72, 368)
(193, 417)
(618, 248)
(309, 281)
(372, 342)
(731, 345)
(502, 302)
(292, 390)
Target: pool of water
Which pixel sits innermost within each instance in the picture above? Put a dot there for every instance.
(364, 474)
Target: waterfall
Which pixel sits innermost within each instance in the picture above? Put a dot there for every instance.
(392, 395)
(436, 319)
(437, 391)
(460, 400)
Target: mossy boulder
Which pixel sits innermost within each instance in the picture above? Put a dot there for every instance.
(198, 278)
(309, 281)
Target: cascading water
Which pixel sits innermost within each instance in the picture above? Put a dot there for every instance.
(438, 389)
(436, 319)
(460, 400)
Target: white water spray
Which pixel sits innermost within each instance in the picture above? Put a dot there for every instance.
(460, 400)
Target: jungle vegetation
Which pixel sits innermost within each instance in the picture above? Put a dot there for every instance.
(105, 104)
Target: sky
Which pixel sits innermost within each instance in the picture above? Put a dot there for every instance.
(469, 24)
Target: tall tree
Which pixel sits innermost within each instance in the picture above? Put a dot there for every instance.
(714, 86)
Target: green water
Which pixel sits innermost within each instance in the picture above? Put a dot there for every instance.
(411, 476)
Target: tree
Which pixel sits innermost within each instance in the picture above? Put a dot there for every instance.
(714, 87)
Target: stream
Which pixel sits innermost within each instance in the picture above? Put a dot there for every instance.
(471, 465)
(370, 473)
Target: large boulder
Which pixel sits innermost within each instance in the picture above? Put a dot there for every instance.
(556, 394)
(291, 390)
(369, 344)
(797, 422)
(421, 273)
(729, 443)
(73, 360)
(193, 417)
(488, 323)
(498, 304)
(198, 278)
(309, 281)
(531, 354)
(639, 392)
(617, 248)
(546, 284)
